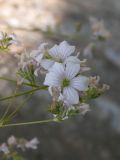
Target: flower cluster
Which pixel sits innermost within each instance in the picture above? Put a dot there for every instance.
(9, 149)
(64, 75)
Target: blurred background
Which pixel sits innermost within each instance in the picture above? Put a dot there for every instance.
(96, 136)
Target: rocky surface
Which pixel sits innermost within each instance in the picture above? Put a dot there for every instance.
(97, 135)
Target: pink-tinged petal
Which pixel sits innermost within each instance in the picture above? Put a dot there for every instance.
(65, 49)
(47, 64)
(71, 95)
(80, 83)
(72, 70)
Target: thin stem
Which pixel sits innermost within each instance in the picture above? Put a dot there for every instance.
(24, 93)
(28, 123)
(14, 81)
(13, 114)
(9, 105)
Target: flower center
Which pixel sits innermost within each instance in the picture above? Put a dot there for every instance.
(65, 83)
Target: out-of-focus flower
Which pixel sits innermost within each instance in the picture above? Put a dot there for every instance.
(88, 51)
(12, 140)
(13, 39)
(6, 40)
(84, 108)
(1, 35)
(38, 54)
(10, 149)
(99, 30)
(4, 148)
(32, 143)
(68, 79)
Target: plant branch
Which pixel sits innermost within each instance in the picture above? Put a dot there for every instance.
(27, 123)
(24, 93)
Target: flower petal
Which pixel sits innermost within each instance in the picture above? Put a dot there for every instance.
(47, 64)
(72, 70)
(71, 95)
(55, 75)
(54, 52)
(36, 55)
(65, 49)
(80, 83)
(52, 80)
(72, 59)
(58, 69)
(61, 51)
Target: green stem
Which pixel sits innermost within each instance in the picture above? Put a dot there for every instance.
(7, 110)
(24, 93)
(14, 81)
(12, 115)
(28, 123)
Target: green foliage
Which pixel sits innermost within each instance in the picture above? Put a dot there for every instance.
(17, 157)
(5, 42)
(13, 156)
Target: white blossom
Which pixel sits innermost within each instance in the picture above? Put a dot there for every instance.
(4, 148)
(32, 143)
(12, 140)
(68, 79)
(58, 53)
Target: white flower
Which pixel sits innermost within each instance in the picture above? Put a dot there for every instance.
(4, 148)
(68, 79)
(12, 140)
(99, 29)
(32, 143)
(58, 53)
(61, 52)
